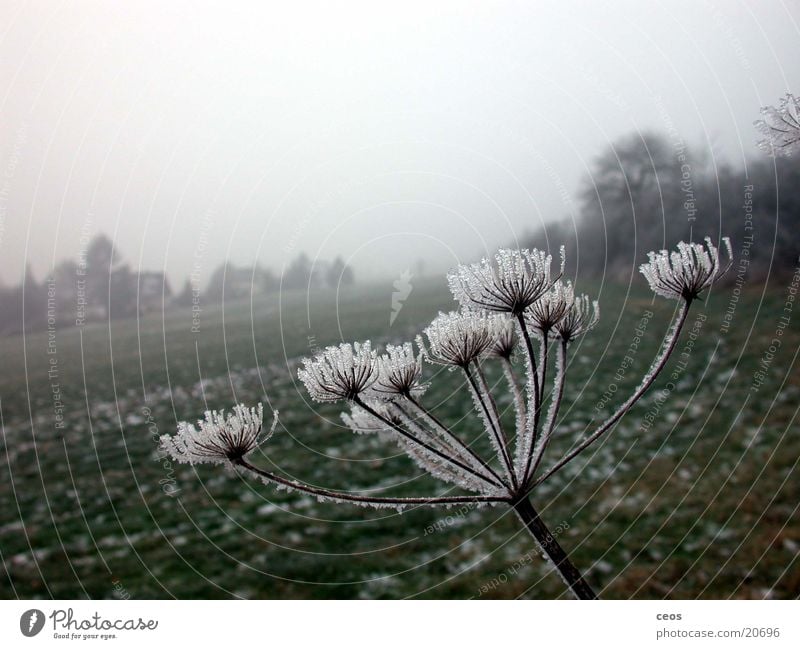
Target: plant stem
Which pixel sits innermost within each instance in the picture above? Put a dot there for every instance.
(452, 437)
(534, 524)
(552, 413)
(519, 403)
(534, 403)
(498, 425)
(492, 425)
(358, 498)
(543, 352)
(359, 402)
(655, 369)
(534, 373)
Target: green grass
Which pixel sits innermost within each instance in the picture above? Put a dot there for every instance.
(703, 504)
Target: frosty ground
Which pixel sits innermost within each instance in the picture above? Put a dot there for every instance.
(692, 495)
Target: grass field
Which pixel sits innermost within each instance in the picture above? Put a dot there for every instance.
(704, 503)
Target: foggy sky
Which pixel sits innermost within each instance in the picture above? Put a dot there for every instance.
(190, 133)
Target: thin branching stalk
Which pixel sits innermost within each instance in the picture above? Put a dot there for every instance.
(655, 370)
(443, 442)
(534, 405)
(454, 439)
(483, 384)
(363, 500)
(359, 402)
(519, 402)
(413, 425)
(533, 424)
(552, 411)
(480, 400)
(543, 354)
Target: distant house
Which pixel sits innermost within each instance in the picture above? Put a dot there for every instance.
(236, 282)
(239, 282)
(153, 291)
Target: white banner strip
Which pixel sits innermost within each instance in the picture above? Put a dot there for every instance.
(387, 624)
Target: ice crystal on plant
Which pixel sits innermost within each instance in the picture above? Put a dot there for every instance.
(504, 334)
(510, 283)
(399, 372)
(457, 338)
(687, 271)
(780, 127)
(360, 421)
(218, 438)
(502, 301)
(582, 316)
(445, 471)
(549, 309)
(339, 373)
(441, 466)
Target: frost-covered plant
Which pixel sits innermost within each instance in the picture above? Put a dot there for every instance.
(507, 304)
(219, 438)
(510, 283)
(684, 273)
(342, 372)
(780, 127)
(399, 373)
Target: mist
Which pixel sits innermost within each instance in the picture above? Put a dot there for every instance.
(191, 134)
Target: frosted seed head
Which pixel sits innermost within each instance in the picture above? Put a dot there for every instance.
(509, 283)
(399, 373)
(549, 309)
(780, 127)
(582, 316)
(684, 273)
(456, 338)
(218, 438)
(504, 335)
(340, 373)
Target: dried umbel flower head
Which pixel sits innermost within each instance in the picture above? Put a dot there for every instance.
(400, 370)
(457, 339)
(338, 373)
(510, 283)
(504, 333)
(582, 316)
(549, 309)
(686, 272)
(780, 127)
(219, 437)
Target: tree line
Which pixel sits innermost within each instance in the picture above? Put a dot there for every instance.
(231, 282)
(100, 286)
(647, 192)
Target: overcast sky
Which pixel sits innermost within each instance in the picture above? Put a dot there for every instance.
(190, 132)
